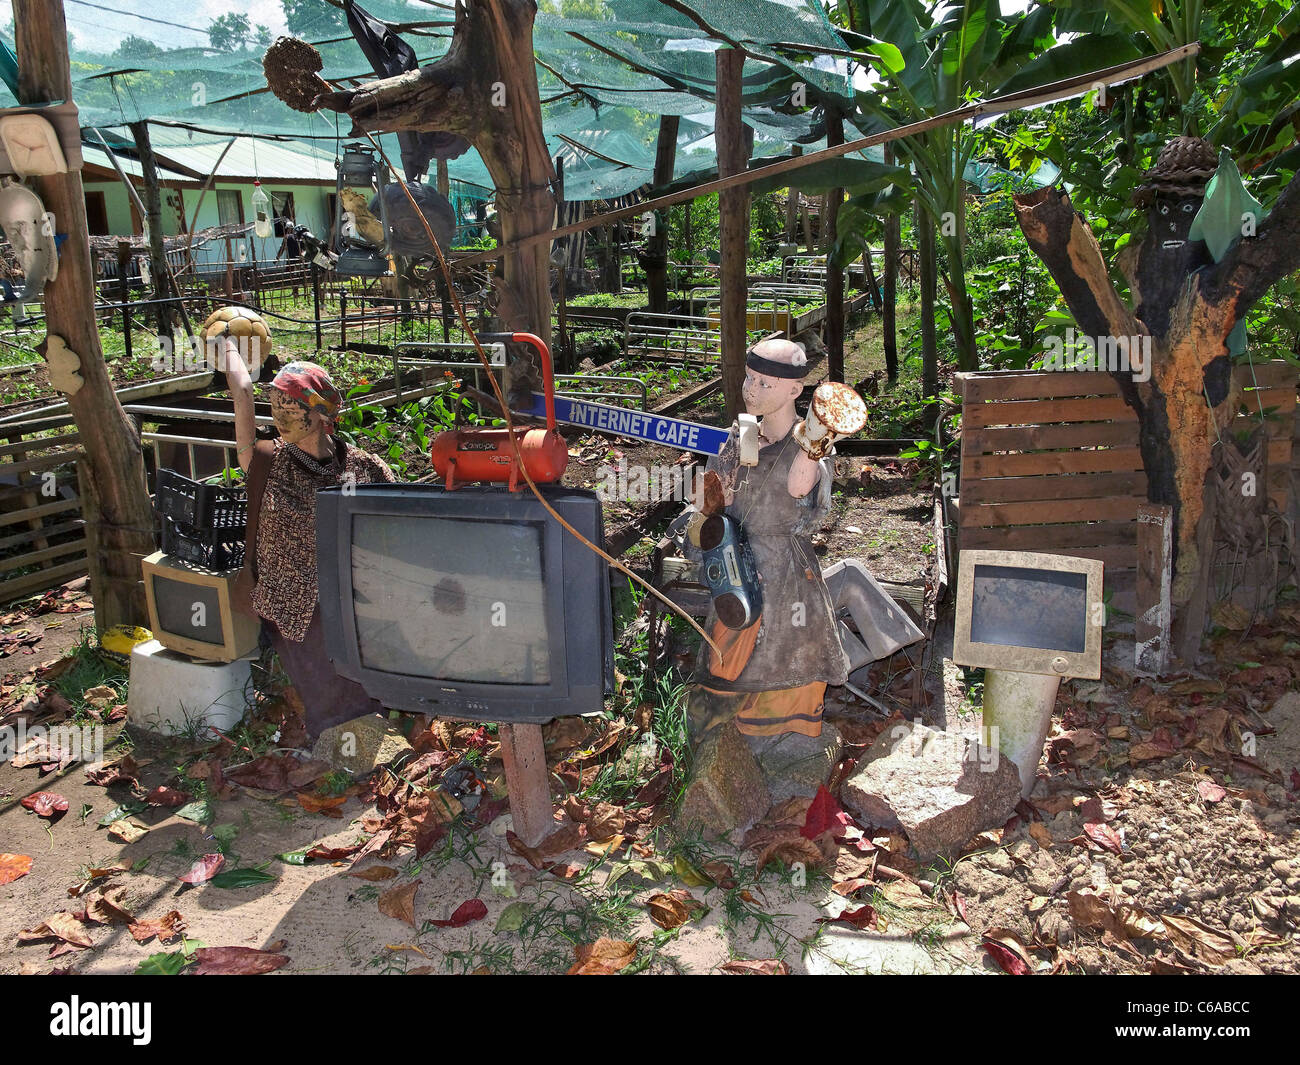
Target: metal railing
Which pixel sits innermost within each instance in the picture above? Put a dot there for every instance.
(692, 339)
(496, 357)
(599, 394)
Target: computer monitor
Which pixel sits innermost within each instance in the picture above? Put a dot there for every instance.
(474, 603)
(190, 610)
(1030, 613)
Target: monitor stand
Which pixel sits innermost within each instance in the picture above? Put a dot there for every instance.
(1020, 706)
(527, 782)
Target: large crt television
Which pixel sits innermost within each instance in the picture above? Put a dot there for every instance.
(473, 604)
(190, 610)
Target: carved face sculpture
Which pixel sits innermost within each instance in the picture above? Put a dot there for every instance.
(1168, 220)
(1168, 257)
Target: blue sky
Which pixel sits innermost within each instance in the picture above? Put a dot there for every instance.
(103, 23)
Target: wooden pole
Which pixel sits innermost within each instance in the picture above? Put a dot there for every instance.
(929, 281)
(834, 274)
(152, 212)
(524, 754)
(115, 464)
(1151, 627)
(656, 252)
(444, 179)
(792, 207)
(889, 295)
(733, 226)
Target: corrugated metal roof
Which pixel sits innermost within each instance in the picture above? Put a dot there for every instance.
(130, 166)
(249, 157)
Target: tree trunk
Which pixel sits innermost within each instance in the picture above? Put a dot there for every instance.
(484, 88)
(929, 346)
(113, 456)
(167, 315)
(733, 226)
(834, 275)
(1185, 404)
(889, 294)
(656, 252)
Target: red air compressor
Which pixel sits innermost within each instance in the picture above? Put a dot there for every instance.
(464, 455)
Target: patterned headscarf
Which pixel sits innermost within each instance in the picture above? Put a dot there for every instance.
(311, 385)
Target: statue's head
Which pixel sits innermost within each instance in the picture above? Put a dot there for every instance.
(303, 401)
(774, 373)
(1173, 190)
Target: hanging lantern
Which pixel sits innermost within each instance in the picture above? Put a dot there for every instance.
(261, 211)
(359, 236)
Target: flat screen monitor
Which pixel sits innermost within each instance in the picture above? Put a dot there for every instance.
(474, 603)
(1029, 612)
(190, 610)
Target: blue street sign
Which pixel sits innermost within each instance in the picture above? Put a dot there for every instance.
(689, 436)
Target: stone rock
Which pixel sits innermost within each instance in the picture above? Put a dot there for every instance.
(726, 791)
(940, 788)
(793, 764)
(361, 745)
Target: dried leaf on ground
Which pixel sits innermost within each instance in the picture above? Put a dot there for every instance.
(1210, 791)
(605, 957)
(1090, 910)
(790, 849)
(164, 796)
(322, 804)
(673, 909)
(467, 912)
(168, 927)
(1041, 835)
(12, 866)
(399, 902)
(204, 869)
(861, 918)
(62, 925)
(1212, 945)
(237, 961)
(109, 906)
(127, 829)
(374, 873)
(1007, 959)
(766, 967)
(46, 804)
(1100, 836)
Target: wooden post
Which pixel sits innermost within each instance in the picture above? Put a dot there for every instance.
(929, 281)
(834, 275)
(524, 755)
(444, 179)
(1151, 630)
(114, 462)
(792, 207)
(124, 258)
(152, 200)
(889, 294)
(656, 252)
(315, 303)
(733, 226)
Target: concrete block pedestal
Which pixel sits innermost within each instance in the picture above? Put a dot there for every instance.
(172, 694)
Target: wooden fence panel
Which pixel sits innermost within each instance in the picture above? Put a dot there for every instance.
(1050, 461)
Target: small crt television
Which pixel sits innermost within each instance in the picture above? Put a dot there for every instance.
(473, 604)
(190, 610)
(1029, 612)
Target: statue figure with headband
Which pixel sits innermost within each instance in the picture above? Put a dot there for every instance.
(777, 629)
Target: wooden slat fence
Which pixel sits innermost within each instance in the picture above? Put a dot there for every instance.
(1050, 461)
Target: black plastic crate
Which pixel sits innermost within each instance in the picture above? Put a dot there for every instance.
(218, 551)
(200, 506)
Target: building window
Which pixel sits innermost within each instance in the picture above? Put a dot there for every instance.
(230, 208)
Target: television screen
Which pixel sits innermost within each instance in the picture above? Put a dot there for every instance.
(474, 604)
(191, 611)
(1019, 607)
(473, 609)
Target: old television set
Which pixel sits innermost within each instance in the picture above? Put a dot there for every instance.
(190, 610)
(471, 604)
(1029, 612)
